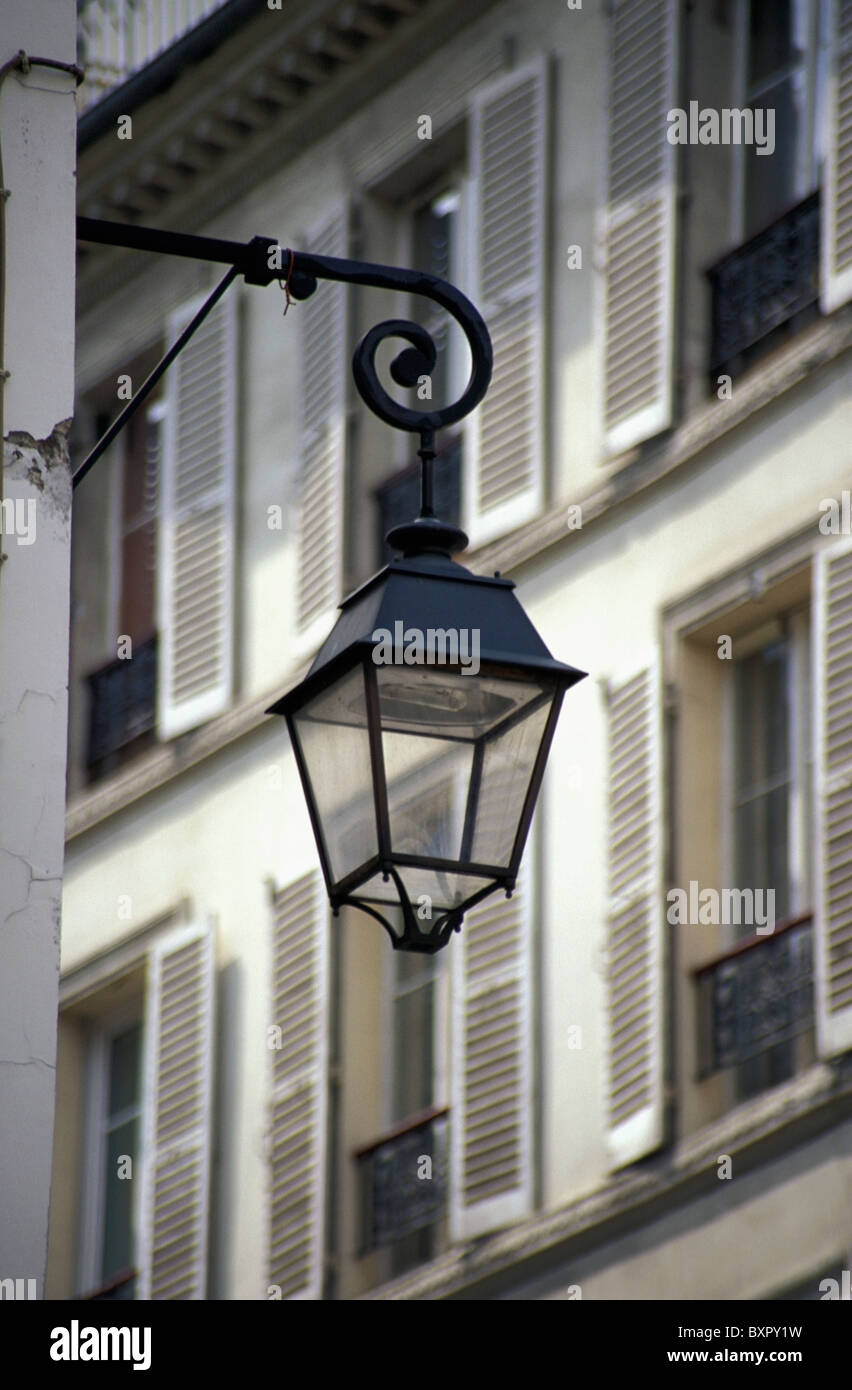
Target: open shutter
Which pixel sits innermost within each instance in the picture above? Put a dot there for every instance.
(640, 222)
(633, 944)
(503, 458)
(298, 1106)
(834, 762)
(178, 1071)
(490, 1133)
(837, 197)
(196, 530)
(325, 365)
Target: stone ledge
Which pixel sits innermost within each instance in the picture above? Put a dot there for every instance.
(687, 1168)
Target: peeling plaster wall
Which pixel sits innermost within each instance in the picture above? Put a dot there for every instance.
(37, 131)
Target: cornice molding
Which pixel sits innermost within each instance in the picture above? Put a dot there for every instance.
(255, 115)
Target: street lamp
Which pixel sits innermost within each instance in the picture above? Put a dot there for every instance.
(422, 728)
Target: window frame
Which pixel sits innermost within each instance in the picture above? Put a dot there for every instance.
(101, 1032)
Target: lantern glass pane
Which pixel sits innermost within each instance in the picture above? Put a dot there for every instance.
(332, 731)
(444, 702)
(508, 759)
(427, 782)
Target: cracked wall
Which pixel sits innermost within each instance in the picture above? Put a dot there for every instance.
(34, 596)
(37, 242)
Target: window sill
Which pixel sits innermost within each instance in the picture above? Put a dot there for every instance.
(167, 761)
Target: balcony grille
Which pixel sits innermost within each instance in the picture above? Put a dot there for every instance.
(757, 998)
(397, 1201)
(123, 705)
(767, 287)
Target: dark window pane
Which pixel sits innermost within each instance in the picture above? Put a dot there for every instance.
(761, 817)
(762, 717)
(770, 179)
(413, 1061)
(119, 1242)
(124, 1070)
(771, 43)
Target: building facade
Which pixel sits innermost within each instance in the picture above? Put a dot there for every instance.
(633, 1078)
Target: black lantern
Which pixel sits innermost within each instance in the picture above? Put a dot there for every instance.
(421, 733)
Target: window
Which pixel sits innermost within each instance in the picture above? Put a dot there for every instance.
(152, 638)
(769, 819)
(113, 1169)
(414, 1010)
(779, 44)
(770, 827)
(417, 1004)
(139, 1122)
(122, 693)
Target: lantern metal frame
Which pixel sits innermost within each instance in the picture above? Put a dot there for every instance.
(425, 585)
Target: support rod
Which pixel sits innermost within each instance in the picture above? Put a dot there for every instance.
(261, 261)
(151, 381)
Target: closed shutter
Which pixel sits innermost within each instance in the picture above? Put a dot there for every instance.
(837, 198)
(325, 367)
(834, 761)
(178, 1071)
(640, 223)
(196, 531)
(503, 458)
(633, 953)
(490, 1133)
(296, 1142)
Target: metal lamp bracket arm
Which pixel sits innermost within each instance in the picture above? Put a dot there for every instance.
(253, 260)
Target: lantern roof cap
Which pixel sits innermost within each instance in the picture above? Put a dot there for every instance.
(426, 592)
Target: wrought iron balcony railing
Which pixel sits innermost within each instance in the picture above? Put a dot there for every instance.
(123, 705)
(756, 997)
(767, 286)
(400, 1193)
(115, 38)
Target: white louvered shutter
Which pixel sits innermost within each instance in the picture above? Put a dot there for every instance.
(176, 1146)
(633, 1042)
(837, 196)
(503, 451)
(490, 1130)
(298, 1104)
(196, 525)
(834, 762)
(640, 223)
(325, 367)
